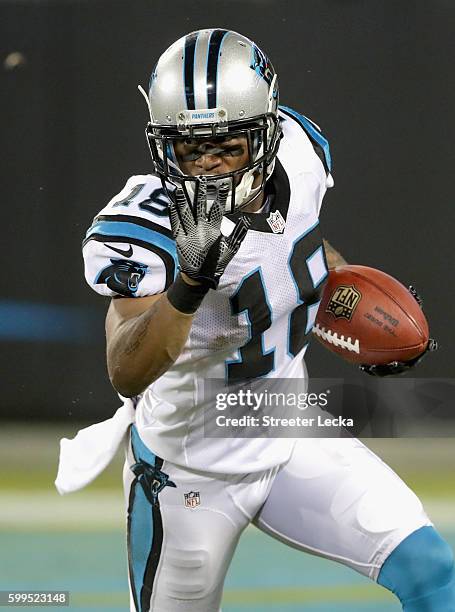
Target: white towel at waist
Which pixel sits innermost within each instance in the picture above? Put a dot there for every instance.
(84, 457)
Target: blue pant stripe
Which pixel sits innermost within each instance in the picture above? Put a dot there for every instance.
(140, 540)
(145, 530)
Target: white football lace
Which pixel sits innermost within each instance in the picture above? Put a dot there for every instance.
(336, 340)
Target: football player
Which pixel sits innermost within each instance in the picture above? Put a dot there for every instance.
(215, 264)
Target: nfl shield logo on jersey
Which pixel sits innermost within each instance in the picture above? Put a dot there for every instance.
(276, 222)
(192, 499)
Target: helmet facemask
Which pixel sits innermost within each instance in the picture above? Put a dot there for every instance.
(261, 135)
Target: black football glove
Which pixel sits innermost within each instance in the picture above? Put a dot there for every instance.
(202, 249)
(399, 367)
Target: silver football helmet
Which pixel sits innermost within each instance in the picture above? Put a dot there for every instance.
(212, 85)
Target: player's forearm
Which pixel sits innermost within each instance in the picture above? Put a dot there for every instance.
(334, 258)
(145, 346)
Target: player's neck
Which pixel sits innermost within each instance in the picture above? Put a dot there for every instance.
(255, 204)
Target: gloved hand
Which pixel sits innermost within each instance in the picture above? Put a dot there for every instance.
(399, 367)
(202, 249)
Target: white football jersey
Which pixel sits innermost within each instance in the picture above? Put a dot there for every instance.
(256, 324)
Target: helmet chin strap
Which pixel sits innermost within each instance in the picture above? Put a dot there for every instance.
(250, 193)
(242, 192)
(245, 193)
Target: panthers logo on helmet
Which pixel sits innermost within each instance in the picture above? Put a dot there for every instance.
(123, 276)
(261, 65)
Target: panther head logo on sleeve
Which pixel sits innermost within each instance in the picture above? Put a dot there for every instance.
(123, 276)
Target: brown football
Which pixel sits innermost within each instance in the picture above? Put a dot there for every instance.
(367, 316)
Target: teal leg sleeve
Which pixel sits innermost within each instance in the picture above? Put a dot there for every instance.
(420, 572)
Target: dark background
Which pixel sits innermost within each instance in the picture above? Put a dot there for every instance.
(377, 76)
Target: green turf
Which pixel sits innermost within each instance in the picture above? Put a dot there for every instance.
(265, 576)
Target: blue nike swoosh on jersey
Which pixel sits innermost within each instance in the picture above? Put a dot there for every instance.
(126, 253)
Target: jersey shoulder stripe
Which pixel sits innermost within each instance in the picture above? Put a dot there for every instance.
(313, 133)
(138, 231)
(134, 226)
